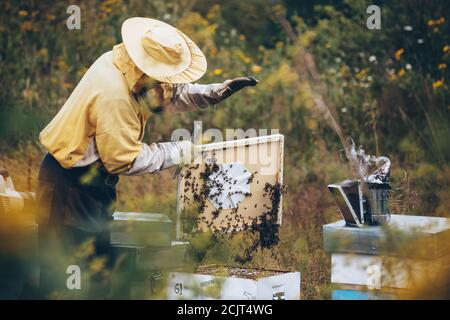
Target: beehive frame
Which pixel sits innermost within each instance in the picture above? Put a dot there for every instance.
(240, 151)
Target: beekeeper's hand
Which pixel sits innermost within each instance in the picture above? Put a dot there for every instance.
(226, 89)
(184, 153)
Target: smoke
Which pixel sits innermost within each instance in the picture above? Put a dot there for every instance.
(369, 168)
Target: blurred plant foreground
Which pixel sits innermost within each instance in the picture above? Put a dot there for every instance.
(317, 64)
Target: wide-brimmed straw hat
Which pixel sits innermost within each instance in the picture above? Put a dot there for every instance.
(162, 52)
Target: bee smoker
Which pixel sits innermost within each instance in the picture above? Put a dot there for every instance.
(376, 203)
(358, 207)
(375, 187)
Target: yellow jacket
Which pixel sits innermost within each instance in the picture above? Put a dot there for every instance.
(102, 106)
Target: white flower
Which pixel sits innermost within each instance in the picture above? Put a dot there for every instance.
(420, 41)
(408, 28)
(372, 58)
(408, 66)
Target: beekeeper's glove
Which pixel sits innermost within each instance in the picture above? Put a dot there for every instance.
(177, 153)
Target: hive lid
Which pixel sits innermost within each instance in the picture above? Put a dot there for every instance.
(140, 216)
(238, 272)
(406, 235)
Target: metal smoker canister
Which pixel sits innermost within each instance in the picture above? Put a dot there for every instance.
(378, 203)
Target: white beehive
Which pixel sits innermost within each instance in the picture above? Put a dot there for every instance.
(392, 259)
(246, 284)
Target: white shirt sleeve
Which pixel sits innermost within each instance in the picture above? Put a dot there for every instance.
(90, 156)
(151, 159)
(159, 156)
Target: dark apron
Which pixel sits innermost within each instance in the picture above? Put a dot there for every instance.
(75, 208)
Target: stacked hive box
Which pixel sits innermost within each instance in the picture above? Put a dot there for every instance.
(143, 247)
(230, 283)
(374, 262)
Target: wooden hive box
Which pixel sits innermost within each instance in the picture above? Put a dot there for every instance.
(259, 160)
(231, 283)
(141, 229)
(382, 262)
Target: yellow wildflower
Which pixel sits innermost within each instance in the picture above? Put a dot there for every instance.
(399, 53)
(26, 26)
(436, 22)
(391, 75)
(67, 85)
(256, 69)
(446, 48)
(442, 66)
(62, 65)
(401, 73)
(246, 59)
(97, 264)
(438, 83)
(43, 52)
(218, 71)
(29, 94)
(81, 72)
(86, 249)
(279, 45)
(242, 37)
(362, 74)
(311, 124)
(23, 13)
(344, 70)
(53, 80)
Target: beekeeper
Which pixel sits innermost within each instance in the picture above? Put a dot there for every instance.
(97, 134)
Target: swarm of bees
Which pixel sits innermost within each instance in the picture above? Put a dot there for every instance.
(229, 271)
(267, 228)
(201, 188)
